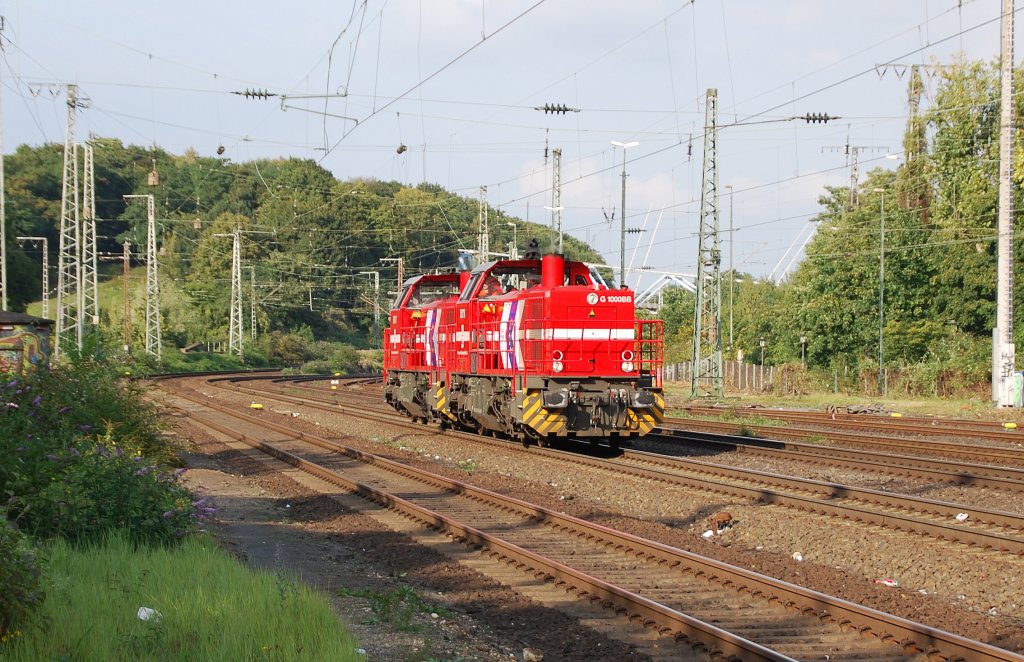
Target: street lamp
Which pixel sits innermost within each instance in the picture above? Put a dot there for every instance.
(622, 214)
(513, 251)
(881, 292)
(761, 342)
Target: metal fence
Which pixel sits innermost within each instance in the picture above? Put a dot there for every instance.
(736, 375)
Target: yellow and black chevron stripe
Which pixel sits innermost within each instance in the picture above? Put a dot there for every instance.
(441, 401)
(646, 420)
(538, 418)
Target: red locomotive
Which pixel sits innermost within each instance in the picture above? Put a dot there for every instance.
(533, 348)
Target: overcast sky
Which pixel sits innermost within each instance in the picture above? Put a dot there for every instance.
(456, 81)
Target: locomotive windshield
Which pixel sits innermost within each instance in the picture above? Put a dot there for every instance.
(502, 280)
(426, 292)
(422, 292)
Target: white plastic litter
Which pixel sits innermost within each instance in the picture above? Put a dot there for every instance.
(708, 534)
(147, 614)
(962, 517)
(797, 556)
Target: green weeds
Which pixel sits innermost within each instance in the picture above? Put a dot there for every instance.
(209, 607)
(396, 607)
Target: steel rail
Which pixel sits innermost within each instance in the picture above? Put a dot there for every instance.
(980, 454)
(803, 493)
(886, 627)
(930, 426)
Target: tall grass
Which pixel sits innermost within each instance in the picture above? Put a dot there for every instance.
(211, 607)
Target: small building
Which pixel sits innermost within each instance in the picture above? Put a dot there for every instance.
(24, 341)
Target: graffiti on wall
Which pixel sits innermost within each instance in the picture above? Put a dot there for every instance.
(23, 347)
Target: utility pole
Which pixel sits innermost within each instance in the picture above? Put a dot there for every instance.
(732, 273)
(3, 197)
(153, 344)
(69, 267)
(556, 194)
(622, 214)
(46, 270)
(89, 299)
(852, 152)
(483, 244)
(126, 256)
(1003, 349)
(706, 377)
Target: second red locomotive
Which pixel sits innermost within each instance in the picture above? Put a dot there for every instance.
(534, 348)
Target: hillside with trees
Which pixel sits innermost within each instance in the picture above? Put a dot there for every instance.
(309, 243)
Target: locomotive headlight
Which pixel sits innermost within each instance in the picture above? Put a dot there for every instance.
(556, 366)
(627, 366)
(627, 355)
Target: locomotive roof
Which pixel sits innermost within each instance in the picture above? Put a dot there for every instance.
(449, 276)
(487, 266)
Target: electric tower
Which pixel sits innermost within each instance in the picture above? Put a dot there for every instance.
(69, 267)
(483, 247)
(706, 377)
(235, 326)
(89, 300)
(153, 345)
(556, 195)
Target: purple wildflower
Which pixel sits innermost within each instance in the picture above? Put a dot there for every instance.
(84, 428)
(12, 383)
(37, 401)
(52, 458)
(144, 470)
(63, 410)
(118, 452)
(200, 502)
(169, 514)
(178, 472)
(74, 451)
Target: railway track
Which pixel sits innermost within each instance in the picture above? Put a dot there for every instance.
(960, 452)
(726, 612)
(917, 425)
(982, 528)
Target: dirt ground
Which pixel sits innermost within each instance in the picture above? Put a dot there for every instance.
(273, 522)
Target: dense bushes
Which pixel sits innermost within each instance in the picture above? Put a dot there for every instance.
(81, 455)
(20, 590)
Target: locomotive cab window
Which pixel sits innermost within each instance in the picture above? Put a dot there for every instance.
(501, 281)
(428, 292)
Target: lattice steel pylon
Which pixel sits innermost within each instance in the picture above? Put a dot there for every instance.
(556, 196)
(89, 317)
(235, 326)
(69, 266)
(153, 344)
(484, 244)
(706, 379)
